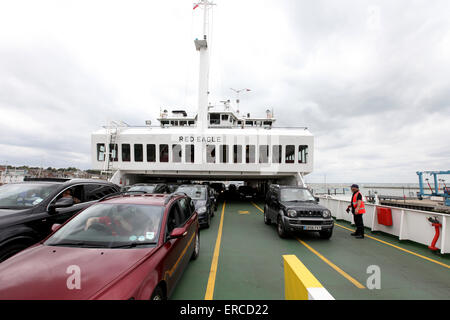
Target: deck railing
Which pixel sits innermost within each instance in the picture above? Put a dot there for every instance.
(407, 224)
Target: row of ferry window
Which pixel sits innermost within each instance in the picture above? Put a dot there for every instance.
(224, 152)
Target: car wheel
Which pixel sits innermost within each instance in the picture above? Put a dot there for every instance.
(208, 222)
(280, 228)
(196, 248)
(326, 234)
(158, 294)
(266, 219)
(9, 250)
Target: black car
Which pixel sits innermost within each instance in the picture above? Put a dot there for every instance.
(150, 188)
(246, 192)
(295, 209)
(204, 202)
(219, 188)
(29, 209)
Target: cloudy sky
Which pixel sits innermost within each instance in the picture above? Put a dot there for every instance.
(371, 79)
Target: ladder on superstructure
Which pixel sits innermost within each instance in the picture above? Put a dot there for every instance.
(112, 132)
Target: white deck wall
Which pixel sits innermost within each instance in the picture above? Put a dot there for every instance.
(407, 224)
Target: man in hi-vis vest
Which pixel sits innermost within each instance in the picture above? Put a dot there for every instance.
(358, 209)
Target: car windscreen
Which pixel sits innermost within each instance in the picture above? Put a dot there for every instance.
(148, 189)
(292, 194)
(24, 195)
(194, 192)
(111, 225)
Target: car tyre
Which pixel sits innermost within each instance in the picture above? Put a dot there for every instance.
(9, 250)
(326, 234)
(158, 294)
(282, 233)
(208, 222)
(266, 219)
(196, 252)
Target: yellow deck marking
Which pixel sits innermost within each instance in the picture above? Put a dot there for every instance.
(243, 212)
(399, 248)
(335, 267)
(257, 207)
(213, 271)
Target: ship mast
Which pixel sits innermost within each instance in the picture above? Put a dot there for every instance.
(203, 85)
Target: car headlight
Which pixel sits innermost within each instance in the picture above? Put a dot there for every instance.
(292, 213)
(201, 209)
(326, 213)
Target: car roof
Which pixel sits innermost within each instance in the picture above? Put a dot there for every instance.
(194, 185)
(64, 180)
(145, 199)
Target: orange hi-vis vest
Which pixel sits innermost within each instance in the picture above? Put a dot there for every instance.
(362, 208)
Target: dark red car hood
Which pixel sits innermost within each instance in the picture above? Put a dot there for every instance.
(40, 272)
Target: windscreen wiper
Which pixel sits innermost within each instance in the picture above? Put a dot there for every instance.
(133, 244)
(77, 244)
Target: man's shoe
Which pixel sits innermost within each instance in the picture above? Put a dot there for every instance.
(353, 234)
(359, 236)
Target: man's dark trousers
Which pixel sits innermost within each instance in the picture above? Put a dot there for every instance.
(358, 218)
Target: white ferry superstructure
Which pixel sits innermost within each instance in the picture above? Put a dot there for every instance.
(213, 144)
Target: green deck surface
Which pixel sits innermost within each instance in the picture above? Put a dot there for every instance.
(250, 264)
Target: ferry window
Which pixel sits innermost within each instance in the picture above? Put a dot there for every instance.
(214, 118)
(239, 122)
(151, 153)
(183, 123)
(163, 153)
(224, 117)
(100, 152)
(237, 154)
(113, 154)
(176, 153)
(250, 154)
(190, 153)
(302, 154)
(138, 153)
(224, 154)
(126, 152)
(276, 154)
(290, 154)
(164, 123)
(191, 123)
(249, 123)
(263, 154)
(211, 153)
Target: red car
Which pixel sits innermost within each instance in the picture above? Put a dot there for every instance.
(124, 247)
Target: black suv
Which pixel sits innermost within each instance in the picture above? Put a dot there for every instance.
(29, 209)
(295, 209)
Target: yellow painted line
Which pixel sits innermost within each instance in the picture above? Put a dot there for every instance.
(257, 207)
(399, 248)
(335, 267)
(244, 212)
(213, 271)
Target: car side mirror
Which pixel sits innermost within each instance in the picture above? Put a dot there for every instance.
(55, 227)
(178, 233)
